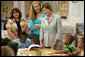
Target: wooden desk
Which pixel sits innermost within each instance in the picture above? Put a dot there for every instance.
(44, 52)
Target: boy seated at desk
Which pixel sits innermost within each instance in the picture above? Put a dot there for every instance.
(80, 51)
(23, 41)
(68, 46)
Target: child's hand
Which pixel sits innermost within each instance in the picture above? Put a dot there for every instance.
(70, 54)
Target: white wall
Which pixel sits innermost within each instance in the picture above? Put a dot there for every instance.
(76, 15)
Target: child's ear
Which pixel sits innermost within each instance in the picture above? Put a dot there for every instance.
(83, 44)
(68, 42)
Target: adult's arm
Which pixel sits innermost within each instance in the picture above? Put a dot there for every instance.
(41, 35)
(37, 26)
(74, 53)
(33, 26)
(59, 32)
(8, 26)
(11, 34)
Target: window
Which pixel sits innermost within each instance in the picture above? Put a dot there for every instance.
(6, 7)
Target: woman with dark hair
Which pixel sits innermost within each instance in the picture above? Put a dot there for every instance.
(51, 28)
(15, 24)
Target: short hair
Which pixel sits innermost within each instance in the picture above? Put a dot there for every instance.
(46, 5)
(6, 51)
(5, 41)
(69, 37)
(17, 10)
(23, 33)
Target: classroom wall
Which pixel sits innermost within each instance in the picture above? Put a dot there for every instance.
(8, 4)
(76, 15)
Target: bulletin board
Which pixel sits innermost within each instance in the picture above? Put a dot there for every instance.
(6, 7)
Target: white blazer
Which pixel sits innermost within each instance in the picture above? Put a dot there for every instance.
(51, 31)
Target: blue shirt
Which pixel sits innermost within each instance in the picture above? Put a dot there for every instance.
(36, 21)
(26, 44)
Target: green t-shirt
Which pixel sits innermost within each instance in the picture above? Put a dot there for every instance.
(70, 48)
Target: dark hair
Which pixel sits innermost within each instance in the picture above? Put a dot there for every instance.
(5, 41)
(17, 10)
(14, 46)
(70, 38)
(23, 34)
(46, 5)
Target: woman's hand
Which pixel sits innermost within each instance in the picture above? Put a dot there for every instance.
(11, 34)
(41, 45)
(37, 25)
(53, 44)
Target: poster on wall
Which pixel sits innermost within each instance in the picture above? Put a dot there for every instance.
(4, 14)
(80, 28)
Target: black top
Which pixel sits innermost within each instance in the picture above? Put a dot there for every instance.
(19, 27)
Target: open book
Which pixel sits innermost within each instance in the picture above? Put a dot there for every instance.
(33, 46)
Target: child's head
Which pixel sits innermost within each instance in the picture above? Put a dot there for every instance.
(5, 41)
(81, 43)
(23, 36)
(14, 46)
(7, 51)
(68, 39)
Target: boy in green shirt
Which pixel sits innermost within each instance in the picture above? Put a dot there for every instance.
(80, 51)
(68, 46)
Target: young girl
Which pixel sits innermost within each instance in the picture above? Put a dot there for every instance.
(68, 47)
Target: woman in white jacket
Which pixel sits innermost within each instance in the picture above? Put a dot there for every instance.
(51, 28)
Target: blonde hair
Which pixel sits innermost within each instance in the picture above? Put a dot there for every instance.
(6, 51)
(32, 11)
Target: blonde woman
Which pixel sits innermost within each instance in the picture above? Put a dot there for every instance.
(35, 23)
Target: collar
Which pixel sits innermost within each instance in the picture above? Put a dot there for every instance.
(51, 18)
